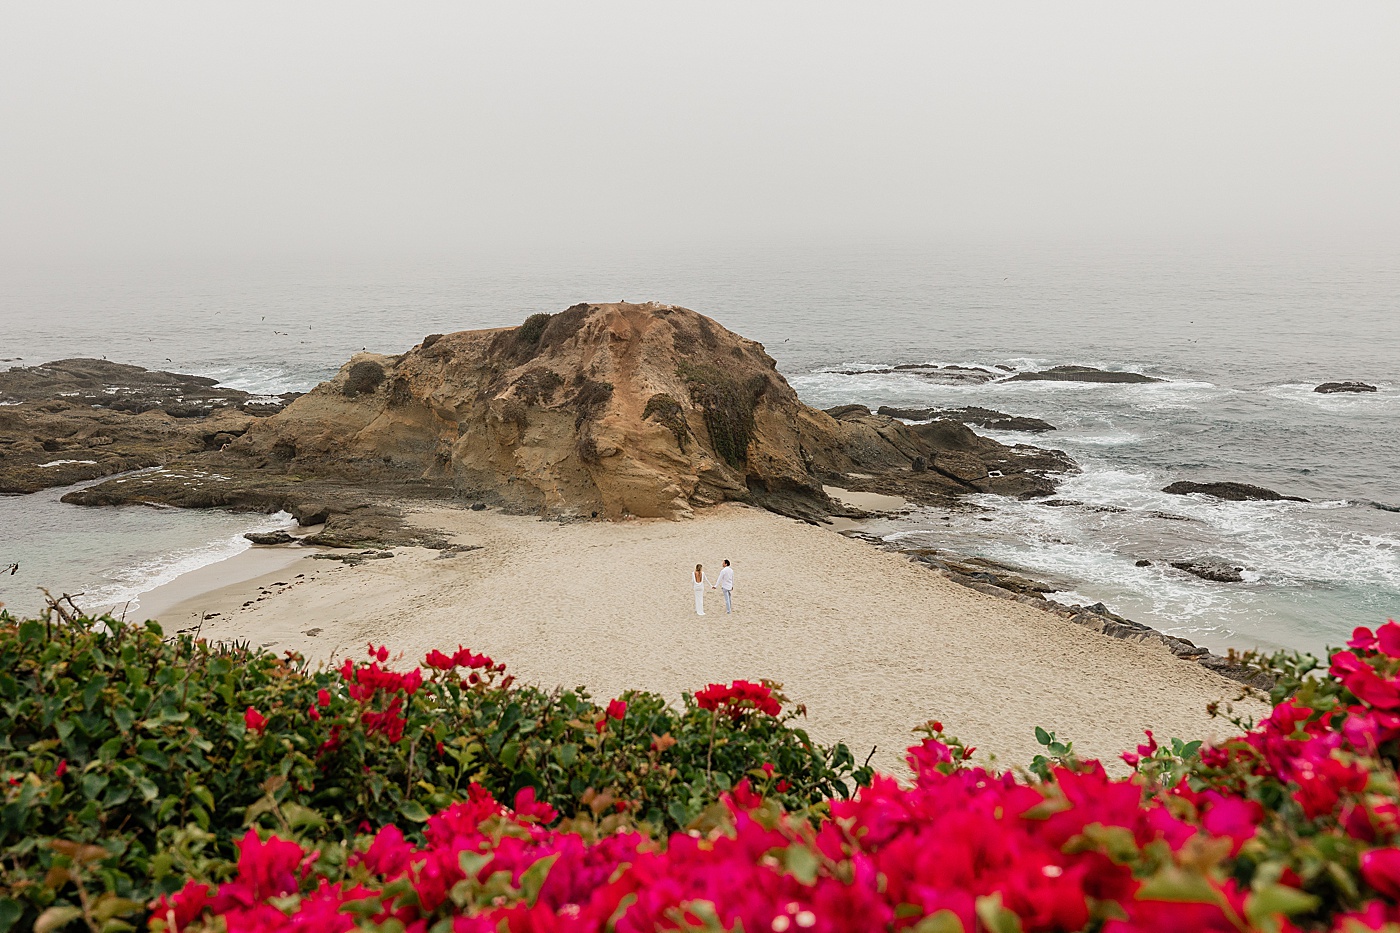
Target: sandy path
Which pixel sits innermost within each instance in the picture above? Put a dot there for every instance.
(872, 643)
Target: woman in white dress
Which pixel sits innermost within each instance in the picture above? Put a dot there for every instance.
(701, 581)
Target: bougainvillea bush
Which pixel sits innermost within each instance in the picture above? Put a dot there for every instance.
(1291, 826)
(130, 762)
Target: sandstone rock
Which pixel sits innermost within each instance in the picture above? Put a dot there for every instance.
(1328, 388)
(1232, 492)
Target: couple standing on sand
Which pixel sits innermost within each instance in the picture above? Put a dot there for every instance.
(725, 583)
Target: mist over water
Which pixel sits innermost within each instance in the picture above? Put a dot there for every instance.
(1241, 336)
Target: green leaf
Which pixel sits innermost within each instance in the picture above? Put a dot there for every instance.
(1042, 736)
(532, 879)
(413, 810)
(56, 918)
(10, 911)
(1275, 899)
(995, 917)
(801, 863)
(943, 921)
(1180, 886)
(109, 906)
(300, 817)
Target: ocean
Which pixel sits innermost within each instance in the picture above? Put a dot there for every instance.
(1240, 337)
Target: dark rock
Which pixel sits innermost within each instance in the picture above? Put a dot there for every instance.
(1216, 571)
(1235, 671)
(944, 375)
(478, 506)
(918, 465)
(269, 537)
(982, 417)
(1143, 563)
(841, 412)
(1232, 492)
(1081, 374)
(78, 420)
(1328, 388)
(310, 513)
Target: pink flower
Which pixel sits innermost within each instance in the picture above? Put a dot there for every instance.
(439, 661)
(1381, 869)
(62, 769)
(323, 698)
(617, 709)
(314, 713)
(1388, 639)
(255, 721)
(530, 810)
(180, 909)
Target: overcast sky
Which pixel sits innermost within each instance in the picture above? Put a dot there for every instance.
(176, 127)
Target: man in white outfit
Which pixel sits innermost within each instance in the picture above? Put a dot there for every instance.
(726, 583)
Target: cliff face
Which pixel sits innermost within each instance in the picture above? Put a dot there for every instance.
(606, 411)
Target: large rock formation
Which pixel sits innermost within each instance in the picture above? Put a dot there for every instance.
(599, 411)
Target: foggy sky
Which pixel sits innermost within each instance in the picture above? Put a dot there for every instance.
(141, 127)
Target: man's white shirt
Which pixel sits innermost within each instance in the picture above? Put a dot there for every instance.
(726, 578)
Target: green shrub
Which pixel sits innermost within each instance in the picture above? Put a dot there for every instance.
(668, 412)
(533, 329)
(728, 408)
(161, 752)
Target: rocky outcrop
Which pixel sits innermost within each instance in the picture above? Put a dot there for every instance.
(599, 411)
(981, 417)
(1081, 374)
(1232, 492)
(1209, 568)
(1328, 388)
(955, 460)
(73, 420)
(269, 537)
(940, 375)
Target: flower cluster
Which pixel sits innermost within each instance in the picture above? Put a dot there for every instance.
(737, 697)
(1292, 826)
(462, 657)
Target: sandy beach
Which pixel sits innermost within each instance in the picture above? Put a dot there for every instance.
(870, 642)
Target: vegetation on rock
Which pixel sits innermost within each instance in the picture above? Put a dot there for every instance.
(728, 408)
(364, 376)
(532, 330)
(665, 410)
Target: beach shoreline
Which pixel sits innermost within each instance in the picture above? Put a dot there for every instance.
(871, 643)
